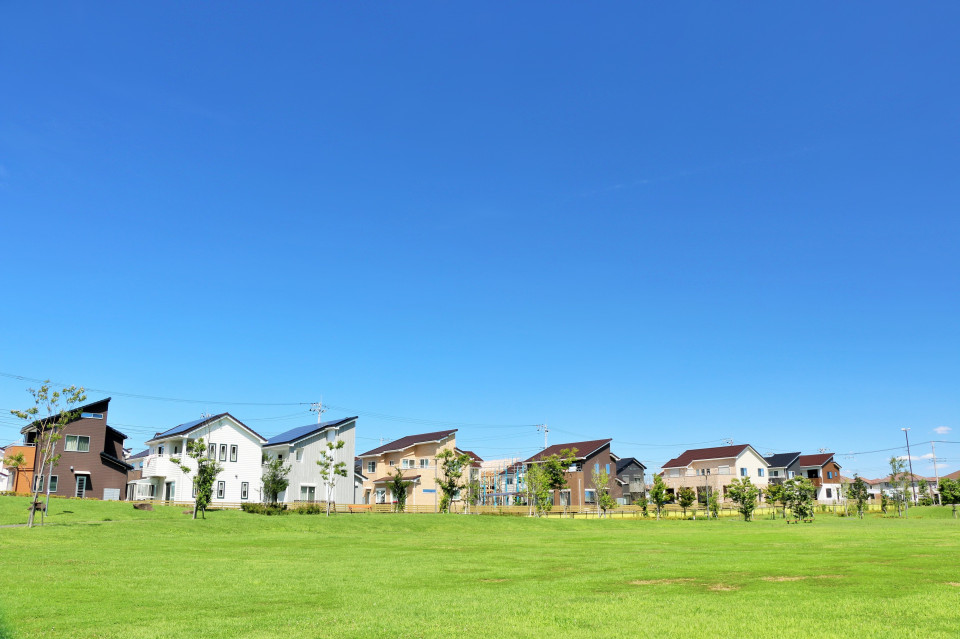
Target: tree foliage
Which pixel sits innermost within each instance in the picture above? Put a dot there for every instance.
(539, 492)
(204, 476)
(800, 494)
(398, 488)
(52, 410)
(775, 494)
(14, 461)
(275, 479)
(715, 505)
(659, 495)
(744, 494)
(859, 493)
(600, 480)
(923, 489)
(898, 484)
(685, 497)
(452, 464)
(950, 493)
(331, 469)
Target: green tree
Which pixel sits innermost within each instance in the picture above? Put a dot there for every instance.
(555, 469)
(884, 502)
(659, 495)
(685, 497)
(14, 461)
(398, 488)
(642, 502)
(471, 495)
(923, 488)
(52, 410)
(331, 469)
(275, 479)
(950, 493)
(744, 494)
(600, 480)
(452, 464)
(859, 493)
(800, 494)
(204, 476)
(898, 473)
(715, 505)
(539, 493)
(774, 495)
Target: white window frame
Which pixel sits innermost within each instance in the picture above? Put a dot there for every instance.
(76, 443)
(54, 483)
(91, 415)
(424, 463)
(299, 453)
(371, 466)
(307, 499)
(586, 496)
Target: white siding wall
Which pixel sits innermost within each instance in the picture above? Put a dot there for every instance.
(752, 461)
(306, 470)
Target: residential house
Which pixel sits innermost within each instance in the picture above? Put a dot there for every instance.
(824, 473)
(590, 457)
(20, 479)
(358, 478)
(235, 446)
(782, 466)
(91, 455)
(630, 474)
(502, 481)
(710, 470)
(416, 458)
(300, 448)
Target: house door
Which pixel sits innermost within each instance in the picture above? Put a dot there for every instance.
(168, 492)
(81, 485)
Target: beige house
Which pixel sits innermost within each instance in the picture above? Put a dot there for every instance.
(710, 470)
(416, 457)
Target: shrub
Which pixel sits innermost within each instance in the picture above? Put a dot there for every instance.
(308, 509)
(265, 509)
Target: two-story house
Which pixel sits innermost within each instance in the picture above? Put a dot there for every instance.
(711, 470)
(589, 457)
(824, 473)
(235, 446)
(91, 455)
(416, 458)
(631, 476)
(20, 477)
(782, 466)
(300, 448)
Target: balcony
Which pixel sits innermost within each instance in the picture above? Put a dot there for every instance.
(159, 466)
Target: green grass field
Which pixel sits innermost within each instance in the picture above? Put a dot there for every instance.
(161, 575)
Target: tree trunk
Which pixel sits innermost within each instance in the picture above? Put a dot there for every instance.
(195, 508)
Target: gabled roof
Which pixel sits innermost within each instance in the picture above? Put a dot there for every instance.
(408, 441)
(954, 475)
(584, 449)
(301, 432)
(142, 453)
(817, 460)
(82, 409)
(781, 460)
(475, 457)
(701, 454)
(626, 461)
(184, 429)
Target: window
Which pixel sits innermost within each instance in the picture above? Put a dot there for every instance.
(307, 493)
(223, 452)
(77, 444)
(244, 489)
(221, 489)
(280, 457)
(299, 454)
(176, 450)
(91, 415)
(408, 463)
(829, 493)
(590, 496)
(759, 472)
(424, 463)
(791, 474)
(596, 468)
(381, 497)
(372, 467)
(829, 474)
(392, 463)
(159, 450)
(53, 484)
(38, 483)
(194, 490)
(743, 472)
(233, 452)
(608, 469)
(212, 451)
(813, 474)
(774, 473)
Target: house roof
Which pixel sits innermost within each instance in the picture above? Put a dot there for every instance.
(142, 453)
(82, 409)
(700, 454)
(408, 441)
(390, 478)
(189, 427)
(584, 449)
(300, 432)
(117, 462)
(475, 457)
(954, 475)
(626, 461)
(781, 460)
(816, 460)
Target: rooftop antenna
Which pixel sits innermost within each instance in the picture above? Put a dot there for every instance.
(317, 407)
(728, 442)
(545, 430)
(823, 450)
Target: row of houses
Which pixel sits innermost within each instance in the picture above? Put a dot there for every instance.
(94, 463)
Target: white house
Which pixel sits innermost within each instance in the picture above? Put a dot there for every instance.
(300, 448)
(709, 470)
(236, 447)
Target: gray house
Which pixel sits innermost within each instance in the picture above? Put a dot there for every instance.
(783, 466)
(630, 477)
(300, 448)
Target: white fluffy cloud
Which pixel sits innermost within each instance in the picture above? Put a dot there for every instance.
(942, 430)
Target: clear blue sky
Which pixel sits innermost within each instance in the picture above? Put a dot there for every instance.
(656, 223)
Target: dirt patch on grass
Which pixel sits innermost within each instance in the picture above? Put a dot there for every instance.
(829, 576)
(659, 582)
(494, 581)
(723, 588)
(955, 584)
(783, 578)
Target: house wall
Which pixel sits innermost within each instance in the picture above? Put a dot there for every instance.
(632, 474)
(722, 473)
(306, 472)
(22, 479)
(579, 481)
(248, 467)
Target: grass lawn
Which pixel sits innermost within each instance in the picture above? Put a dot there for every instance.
(162, 575)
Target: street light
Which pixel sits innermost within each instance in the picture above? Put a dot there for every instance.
(906, 433)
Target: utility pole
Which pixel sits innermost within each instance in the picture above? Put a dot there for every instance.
(936, 473)
(317, 407)
(906, 433)
(545, 430)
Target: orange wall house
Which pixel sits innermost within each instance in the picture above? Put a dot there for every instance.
(23, 476)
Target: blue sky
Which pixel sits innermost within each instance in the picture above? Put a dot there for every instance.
(666, 225)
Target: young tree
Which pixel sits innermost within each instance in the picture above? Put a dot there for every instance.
(275, 479)
(52, 410)
(774, 495)
(539, 493)
(950, 493)
(898, 471)
(685, 497)
(659, 495)
(599, 481)
(858, 493)
(206, 473)
(331, 469)
(800, 494)
(14, 462)
(555, 469)
(744, 494)
(398, 488)
(923, 488)
(715, 505)
(642, 502)
(884, 503)
(452, 465)
(471, 495)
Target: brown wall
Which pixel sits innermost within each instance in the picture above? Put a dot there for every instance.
(579, 481)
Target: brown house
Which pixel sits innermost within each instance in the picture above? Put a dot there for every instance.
(590, 456)
(824, 473)
(91, 456)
